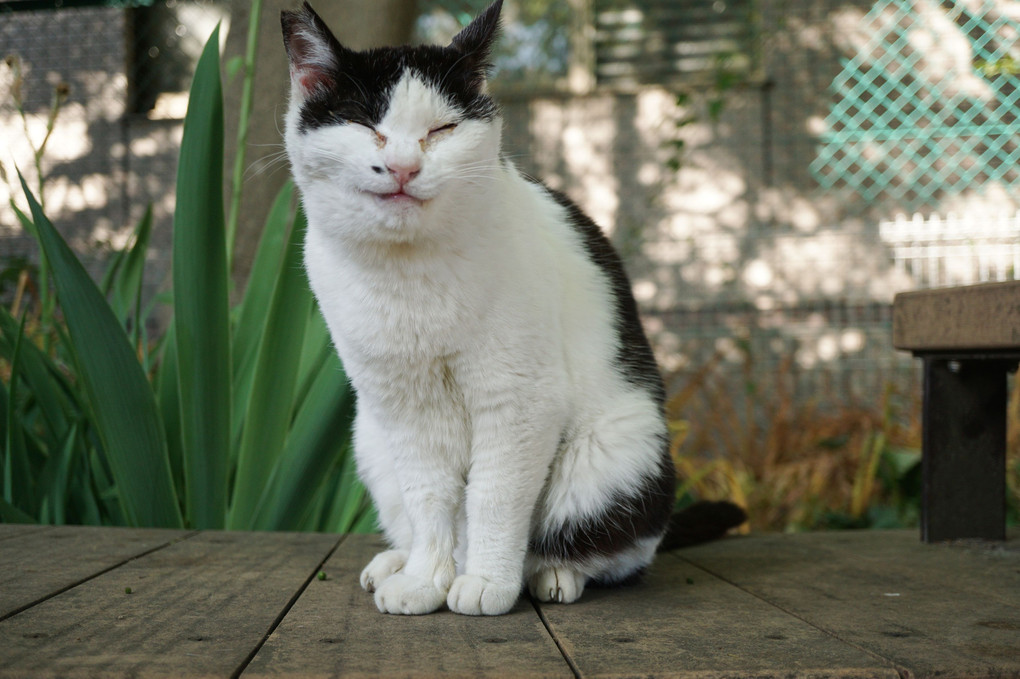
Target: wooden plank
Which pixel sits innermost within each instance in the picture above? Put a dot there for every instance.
(946, 610)
(10, 530)
(982, 317)
(199, 607)
(681, 621)
(35, 564)
(335, 630)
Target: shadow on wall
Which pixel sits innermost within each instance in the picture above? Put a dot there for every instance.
(113, 148)
(741, 246)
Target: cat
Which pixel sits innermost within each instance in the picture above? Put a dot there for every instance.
(509, 422)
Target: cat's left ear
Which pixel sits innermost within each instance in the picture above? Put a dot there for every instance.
(476, 39)
(313, 51)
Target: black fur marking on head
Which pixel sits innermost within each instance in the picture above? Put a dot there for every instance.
(634, 353)
(355, 87)
(643, 514)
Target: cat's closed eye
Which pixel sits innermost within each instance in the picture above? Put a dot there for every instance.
(340, 119)
(442, 129)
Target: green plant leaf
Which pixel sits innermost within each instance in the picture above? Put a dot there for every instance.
(349, 502)
(42, 378)
(254, 308)
(168, 396)
(318, 437)
(367, 521)
(201, 305)
(17, 474)
(11, 514)
(53, 481)
(270, 407)
(127, 282)
(122, 402)
(317, 351)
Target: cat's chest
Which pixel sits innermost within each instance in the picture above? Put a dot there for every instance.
(395, 314)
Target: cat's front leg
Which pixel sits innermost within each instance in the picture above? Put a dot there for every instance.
(427, 467)
(511, 454)
(421, 585)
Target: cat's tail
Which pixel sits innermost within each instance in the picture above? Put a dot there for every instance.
(701, 522)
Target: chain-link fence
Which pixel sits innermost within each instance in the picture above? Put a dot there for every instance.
(927, 108)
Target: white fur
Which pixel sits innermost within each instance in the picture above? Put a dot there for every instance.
(478, 335)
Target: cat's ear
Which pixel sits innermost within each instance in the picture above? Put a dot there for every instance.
(476, 39)
(313, 51)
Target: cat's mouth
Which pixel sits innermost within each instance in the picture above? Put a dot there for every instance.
(398, 198)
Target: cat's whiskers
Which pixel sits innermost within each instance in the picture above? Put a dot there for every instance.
(330, 155)
(265, 164)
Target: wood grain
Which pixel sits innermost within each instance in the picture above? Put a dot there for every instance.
(683, 622)
(841, 604)
(40, 562)
(930, 609)
(10, 530)
(199, 607)
(335, 630)
(983, 317)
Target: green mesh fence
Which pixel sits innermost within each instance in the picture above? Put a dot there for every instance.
(927, 109)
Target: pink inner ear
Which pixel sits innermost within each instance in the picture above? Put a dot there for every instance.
(311, 78)
(314, 80)
(308, 60)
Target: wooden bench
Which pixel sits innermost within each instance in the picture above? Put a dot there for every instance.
(968, 338)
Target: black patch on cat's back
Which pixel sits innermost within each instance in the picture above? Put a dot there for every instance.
(644, 510)
(634, 353)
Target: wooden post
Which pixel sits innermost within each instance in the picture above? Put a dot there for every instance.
(964, 441)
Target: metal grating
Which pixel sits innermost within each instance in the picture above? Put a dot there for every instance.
(927, 109)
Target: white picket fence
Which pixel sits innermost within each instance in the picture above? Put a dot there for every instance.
(954, 250)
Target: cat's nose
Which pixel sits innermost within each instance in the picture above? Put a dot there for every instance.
(402, 172)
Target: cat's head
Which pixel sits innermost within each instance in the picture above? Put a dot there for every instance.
(387, 135)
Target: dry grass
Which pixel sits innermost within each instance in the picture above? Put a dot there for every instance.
(798, 466)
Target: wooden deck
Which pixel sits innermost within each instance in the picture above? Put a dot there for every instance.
(146, 603)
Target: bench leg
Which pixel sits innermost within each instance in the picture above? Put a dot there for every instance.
(964, 450)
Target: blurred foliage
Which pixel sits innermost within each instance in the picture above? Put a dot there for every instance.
(236, 417)
(797, 467)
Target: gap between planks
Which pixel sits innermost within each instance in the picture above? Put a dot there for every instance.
(286, 609)
(552, 635)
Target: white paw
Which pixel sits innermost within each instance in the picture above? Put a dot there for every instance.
(407, 595)
(381, 567)
(561, 585)
(475, 595)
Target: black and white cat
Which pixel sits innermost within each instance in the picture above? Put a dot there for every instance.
(509, 424)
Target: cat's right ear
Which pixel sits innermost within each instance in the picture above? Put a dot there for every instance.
(312, 49)
(476, 40)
